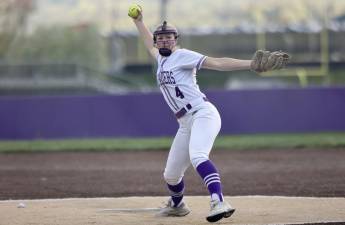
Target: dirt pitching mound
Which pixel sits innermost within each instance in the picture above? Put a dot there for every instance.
(142, 210)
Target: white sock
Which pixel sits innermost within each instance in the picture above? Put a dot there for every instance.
(215, 196)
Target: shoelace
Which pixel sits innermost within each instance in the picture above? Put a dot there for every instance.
(213, 203)
(167, 203)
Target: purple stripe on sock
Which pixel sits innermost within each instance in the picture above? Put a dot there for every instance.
(176, 192)
(176, 188)
(208, 170)
(211, 177)
(212, 180)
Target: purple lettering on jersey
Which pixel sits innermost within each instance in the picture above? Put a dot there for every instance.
(166, 77)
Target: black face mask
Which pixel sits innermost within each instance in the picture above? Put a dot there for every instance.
(165, 52)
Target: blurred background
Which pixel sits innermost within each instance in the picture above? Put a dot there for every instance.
(55, 47)
(78, 69)
(75, 76)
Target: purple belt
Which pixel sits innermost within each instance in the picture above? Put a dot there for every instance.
(183, 111)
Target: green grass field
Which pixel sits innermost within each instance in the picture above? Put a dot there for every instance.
(234, 142)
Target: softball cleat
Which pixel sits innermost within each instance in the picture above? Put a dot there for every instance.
(219, 210)
(170, 211)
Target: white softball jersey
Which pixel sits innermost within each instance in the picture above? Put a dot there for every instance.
(176, 78)
(199, 124)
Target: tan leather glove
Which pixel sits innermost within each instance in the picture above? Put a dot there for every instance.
(263, 61)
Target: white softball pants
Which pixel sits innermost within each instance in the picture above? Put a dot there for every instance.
(193, 141)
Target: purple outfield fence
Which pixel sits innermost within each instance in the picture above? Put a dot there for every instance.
(143, 115)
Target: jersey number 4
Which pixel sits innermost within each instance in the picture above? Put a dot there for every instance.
(179, 93)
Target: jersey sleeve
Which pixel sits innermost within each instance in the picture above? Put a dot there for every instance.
(190, 59)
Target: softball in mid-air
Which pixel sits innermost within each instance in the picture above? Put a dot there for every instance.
(134, 11)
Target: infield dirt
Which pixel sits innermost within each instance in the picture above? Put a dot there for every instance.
(298, 172)
(250, 210)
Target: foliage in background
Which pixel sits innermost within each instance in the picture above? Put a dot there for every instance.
(81, 44)
(14, 16)
(218, 14)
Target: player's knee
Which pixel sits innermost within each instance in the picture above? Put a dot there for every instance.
(196, 159)
(171, 178)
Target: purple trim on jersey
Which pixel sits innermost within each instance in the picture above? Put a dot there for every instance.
(171, 97)
(198, 66)
(171, 100)
(160, 77)
(168, 97)
(164, 61)
(210, 175)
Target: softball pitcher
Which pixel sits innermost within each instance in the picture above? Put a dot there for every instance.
(199, 120)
